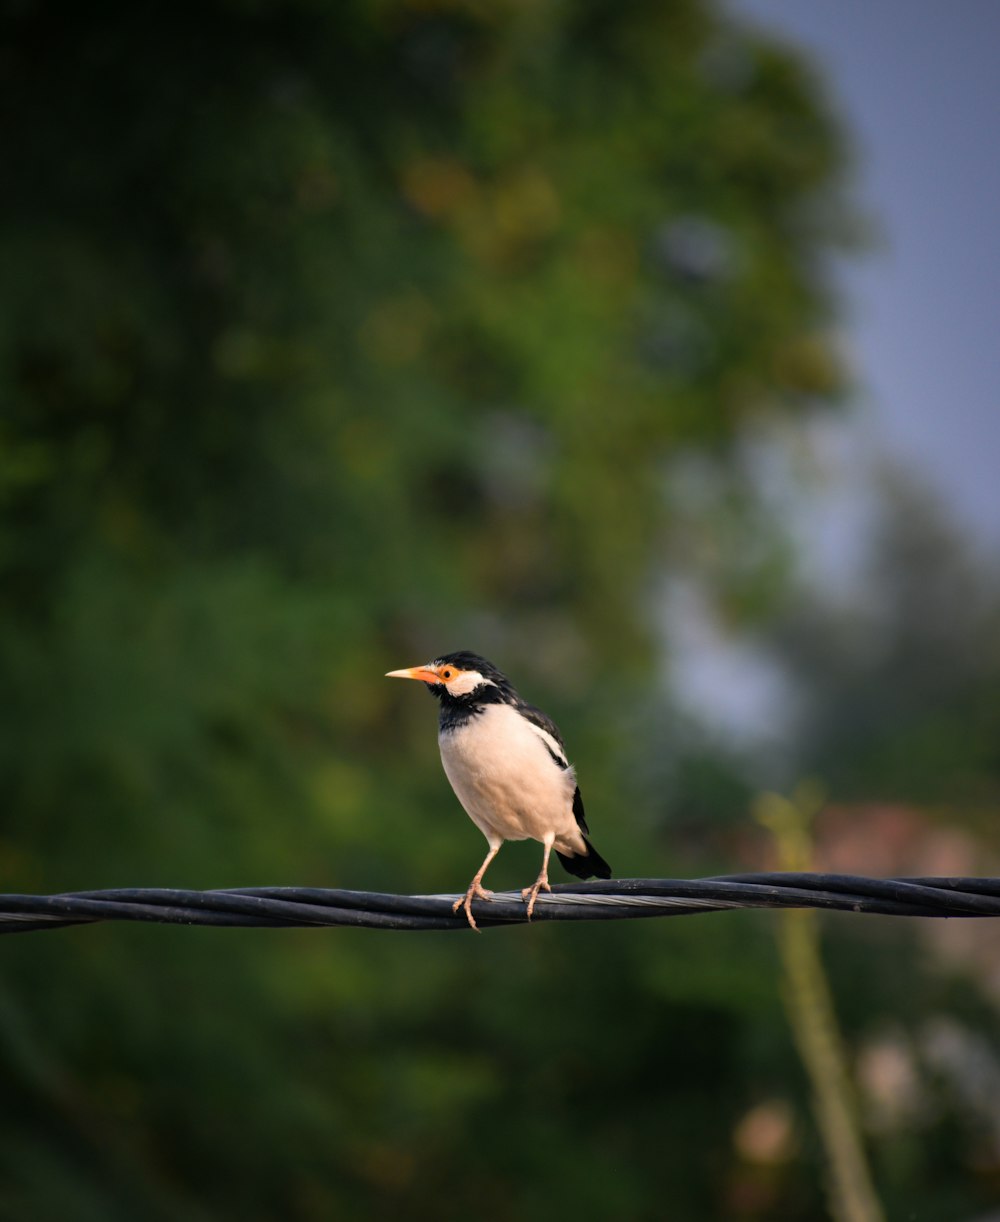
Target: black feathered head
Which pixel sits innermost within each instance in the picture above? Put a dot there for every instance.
(461, 676)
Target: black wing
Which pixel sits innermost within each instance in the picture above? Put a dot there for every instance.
(544, 722)
(581, 818)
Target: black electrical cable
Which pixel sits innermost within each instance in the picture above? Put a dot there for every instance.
(624, 899)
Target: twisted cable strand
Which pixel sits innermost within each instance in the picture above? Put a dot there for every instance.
(622, 899)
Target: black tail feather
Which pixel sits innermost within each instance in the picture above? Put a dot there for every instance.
(591, 866)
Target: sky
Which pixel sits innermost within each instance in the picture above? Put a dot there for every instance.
(918, 84)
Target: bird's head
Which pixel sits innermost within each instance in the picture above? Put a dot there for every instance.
(461, 676)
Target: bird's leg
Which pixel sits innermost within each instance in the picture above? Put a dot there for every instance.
(541, 883)
(476, 889)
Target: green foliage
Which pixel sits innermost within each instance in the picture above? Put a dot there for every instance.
(331, 337)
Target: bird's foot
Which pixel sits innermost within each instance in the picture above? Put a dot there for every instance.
(531, 893)
(475, 891)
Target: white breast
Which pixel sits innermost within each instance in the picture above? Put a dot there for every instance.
(501, 770)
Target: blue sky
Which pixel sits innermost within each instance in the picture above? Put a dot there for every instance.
(918, 83)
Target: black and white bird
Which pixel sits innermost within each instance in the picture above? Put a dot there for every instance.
(507, 765)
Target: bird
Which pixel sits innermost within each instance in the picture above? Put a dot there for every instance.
(508, 766)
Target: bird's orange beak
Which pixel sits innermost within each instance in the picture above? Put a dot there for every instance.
(423, 673)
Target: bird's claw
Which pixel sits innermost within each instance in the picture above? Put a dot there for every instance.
(531, 893)
(476, 891)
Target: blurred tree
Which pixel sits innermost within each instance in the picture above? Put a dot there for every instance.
(332, 336)
(899, 687)
(894, 692)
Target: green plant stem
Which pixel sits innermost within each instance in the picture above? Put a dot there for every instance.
(809, 1004)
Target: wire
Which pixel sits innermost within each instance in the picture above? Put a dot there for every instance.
(624, 899)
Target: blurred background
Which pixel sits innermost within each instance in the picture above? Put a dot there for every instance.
(645, 347)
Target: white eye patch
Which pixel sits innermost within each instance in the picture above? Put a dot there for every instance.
(465, 682)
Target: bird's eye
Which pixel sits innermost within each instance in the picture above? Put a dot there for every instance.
(447, 673)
